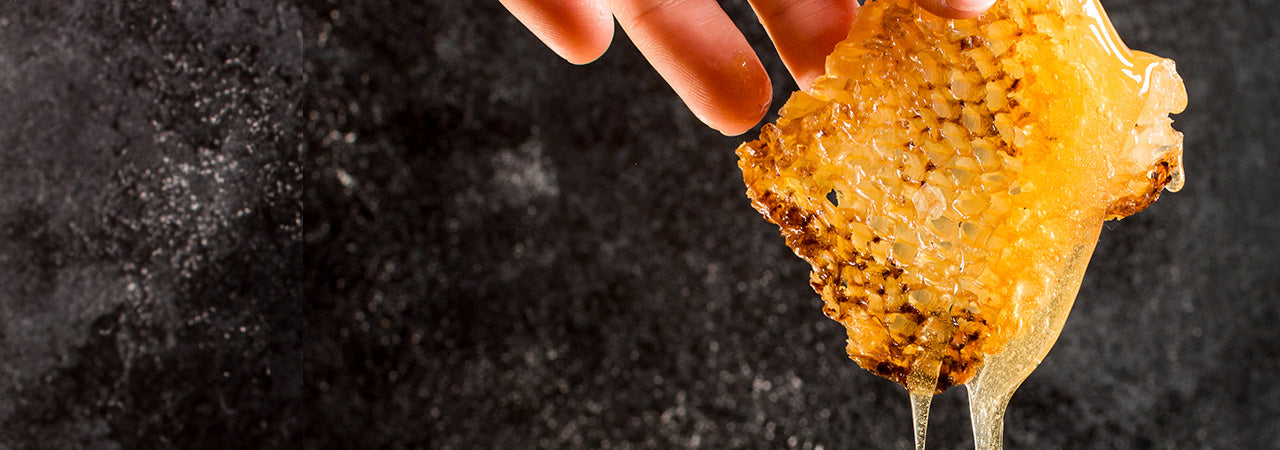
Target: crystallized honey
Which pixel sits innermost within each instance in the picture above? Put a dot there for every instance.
(939, 176)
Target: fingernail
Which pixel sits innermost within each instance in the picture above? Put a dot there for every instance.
(970, 5)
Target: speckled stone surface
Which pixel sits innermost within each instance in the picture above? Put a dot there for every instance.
(502, 250)
(514, 251)
(150, 225)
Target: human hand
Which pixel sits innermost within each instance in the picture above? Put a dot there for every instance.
(697, 49)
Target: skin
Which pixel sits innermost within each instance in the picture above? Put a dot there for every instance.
(700, 52)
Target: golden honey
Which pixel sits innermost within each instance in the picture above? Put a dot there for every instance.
(942, 173)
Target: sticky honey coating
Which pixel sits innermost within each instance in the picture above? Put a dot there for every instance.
(941, 172)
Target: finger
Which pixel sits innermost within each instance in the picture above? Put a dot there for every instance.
(956, 9)
(577, 30)
(697, 49)
(805, 32)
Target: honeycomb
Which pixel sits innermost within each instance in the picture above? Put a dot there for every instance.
(941, 172)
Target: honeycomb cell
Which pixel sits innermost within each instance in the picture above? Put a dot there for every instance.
(969, 159)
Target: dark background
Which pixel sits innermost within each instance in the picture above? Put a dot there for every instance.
(239, 224)
(150, 224)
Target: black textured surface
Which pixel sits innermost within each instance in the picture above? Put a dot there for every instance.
(503, 250)
(150, 224)
(514, 251)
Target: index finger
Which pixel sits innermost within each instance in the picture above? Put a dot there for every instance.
(698, 50)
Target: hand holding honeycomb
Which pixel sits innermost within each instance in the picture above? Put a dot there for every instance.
(699, 50)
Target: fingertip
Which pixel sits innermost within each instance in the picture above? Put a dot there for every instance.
(589, 46)
(578, 31)
(742, 122)
(956, 9)
(805, 32)
(737, 130)
(737, 102)
(805, 79)
(594, 34)
(741, 97)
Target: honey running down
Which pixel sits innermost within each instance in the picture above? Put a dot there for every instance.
(947, 180)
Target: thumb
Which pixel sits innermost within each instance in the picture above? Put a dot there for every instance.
(973, 6)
